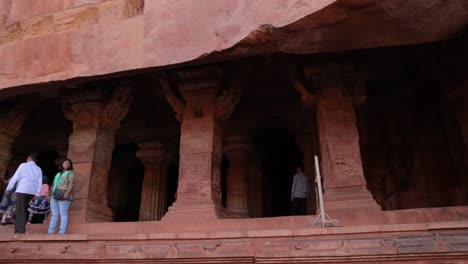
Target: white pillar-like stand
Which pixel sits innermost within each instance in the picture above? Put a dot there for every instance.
(322, 218)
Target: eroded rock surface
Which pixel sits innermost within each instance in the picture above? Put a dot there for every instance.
(58, 40)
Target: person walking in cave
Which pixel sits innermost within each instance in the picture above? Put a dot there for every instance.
(299, 192)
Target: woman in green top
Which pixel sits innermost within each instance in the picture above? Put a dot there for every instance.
(64, 180)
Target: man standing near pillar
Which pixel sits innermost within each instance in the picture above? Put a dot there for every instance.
(29, 179)
(299, 193)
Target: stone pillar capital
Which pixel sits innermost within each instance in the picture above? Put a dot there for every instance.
(83, 107)
(155, 153)
(200, 83)
(337, 79)
(200, 91)
(94, 107)
(237, 144)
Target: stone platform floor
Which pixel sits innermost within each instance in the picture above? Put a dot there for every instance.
(438, 235)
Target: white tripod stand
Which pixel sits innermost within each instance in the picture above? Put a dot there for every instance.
(322, 219)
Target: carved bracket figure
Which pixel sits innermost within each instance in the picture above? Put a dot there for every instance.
(118, 106)
(229, 98)
(177, 104)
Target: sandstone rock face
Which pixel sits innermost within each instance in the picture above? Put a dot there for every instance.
(42, 41)
(58, 40)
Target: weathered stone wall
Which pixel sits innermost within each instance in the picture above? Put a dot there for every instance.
(43, 41)
(55, 40)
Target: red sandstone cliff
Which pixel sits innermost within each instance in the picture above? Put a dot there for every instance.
(42, 41)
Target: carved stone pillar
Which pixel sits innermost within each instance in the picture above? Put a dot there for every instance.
(199, 192)
(156, 158)
(237, 150)
(10, 128)
(96, 118)
(305, 142)
(341, 164)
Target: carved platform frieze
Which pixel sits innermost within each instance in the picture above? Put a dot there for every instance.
(303, 249)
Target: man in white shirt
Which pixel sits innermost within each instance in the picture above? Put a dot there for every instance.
(29, 179)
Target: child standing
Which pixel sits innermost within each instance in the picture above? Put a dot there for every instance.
(7, 206)
(41, 205)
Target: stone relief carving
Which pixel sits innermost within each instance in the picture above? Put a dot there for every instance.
(415, 244)
(389, 242)
(136, 249)
(211, 247)
(191, 180)
(300, 246)
(345, 248)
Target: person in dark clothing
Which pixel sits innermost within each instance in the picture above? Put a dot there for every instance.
(299, 193)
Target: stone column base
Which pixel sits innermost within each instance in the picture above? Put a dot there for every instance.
(194, 212)
(349, 199)
(233, 214)
(87, 211)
